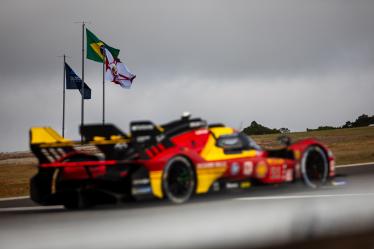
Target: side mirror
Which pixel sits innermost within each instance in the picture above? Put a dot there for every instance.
(284, 140)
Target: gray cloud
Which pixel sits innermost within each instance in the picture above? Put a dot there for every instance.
(292, 63)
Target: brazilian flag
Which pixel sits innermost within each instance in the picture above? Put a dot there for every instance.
(94, 51)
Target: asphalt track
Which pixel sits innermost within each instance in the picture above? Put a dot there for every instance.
(258, 217)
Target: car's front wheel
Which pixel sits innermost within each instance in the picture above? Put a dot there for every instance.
(314, 167)
(178, 180)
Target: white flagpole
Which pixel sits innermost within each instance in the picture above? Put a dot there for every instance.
(82, 87)
(64, 56)
(63, 98)
(103, 51)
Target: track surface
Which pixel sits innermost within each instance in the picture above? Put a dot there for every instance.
(257, 217)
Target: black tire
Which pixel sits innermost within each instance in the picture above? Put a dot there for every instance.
(314, 167)
(178, 180)
(75, 200)
(71, 192)
(41, 187)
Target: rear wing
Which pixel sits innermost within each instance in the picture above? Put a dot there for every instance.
(46, 135)
(47, 145)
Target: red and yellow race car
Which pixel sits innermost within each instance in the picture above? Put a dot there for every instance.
(173, 161)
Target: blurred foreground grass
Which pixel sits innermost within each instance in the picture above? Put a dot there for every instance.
(353, 145)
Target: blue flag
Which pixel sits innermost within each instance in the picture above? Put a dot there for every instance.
(74, 82)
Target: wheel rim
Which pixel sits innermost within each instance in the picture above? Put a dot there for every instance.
(179, 181)
(314, 167)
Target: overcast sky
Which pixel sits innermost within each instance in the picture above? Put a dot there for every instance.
(296, 64)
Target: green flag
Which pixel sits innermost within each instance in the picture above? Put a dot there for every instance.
(93, 48)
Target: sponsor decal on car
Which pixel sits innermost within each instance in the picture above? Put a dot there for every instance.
(142, 139)
(247, 168)
(273, 161)
(140, 181)
(211, 165)
(289, 175)
(197, 124)
(216, 186)
(261, 169)
(231, 185)
(245, 184)
(144, 127)
(235, 168)
(201, 132)
(275, 172)
(141, 190)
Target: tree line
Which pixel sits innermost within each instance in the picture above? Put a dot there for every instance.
(362, 121)
(257, 129)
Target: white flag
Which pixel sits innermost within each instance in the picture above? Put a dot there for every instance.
(117, 72)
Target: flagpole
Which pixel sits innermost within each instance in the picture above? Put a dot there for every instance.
(103, 87)
(82, 87)
(63, 98)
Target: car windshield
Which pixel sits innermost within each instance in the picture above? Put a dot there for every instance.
(249, 142)
(237, 140)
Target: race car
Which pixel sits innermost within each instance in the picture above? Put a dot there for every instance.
(171, 161)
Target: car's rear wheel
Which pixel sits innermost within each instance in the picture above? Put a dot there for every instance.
(178, 180)
(74, 195)
(314, 167)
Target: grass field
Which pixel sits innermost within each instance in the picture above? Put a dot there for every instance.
(15, 172)
(353, 145)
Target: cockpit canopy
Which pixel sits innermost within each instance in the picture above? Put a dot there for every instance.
(237, 142)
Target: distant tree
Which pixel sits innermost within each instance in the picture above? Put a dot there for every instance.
(322, 128)
(362, 120)
(348, 124)
(258, 129)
